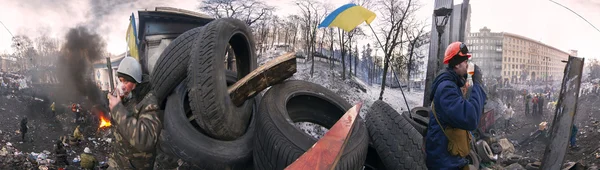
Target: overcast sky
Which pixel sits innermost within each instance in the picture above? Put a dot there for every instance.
(538, 19)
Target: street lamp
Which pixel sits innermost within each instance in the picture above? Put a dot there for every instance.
(441, 19)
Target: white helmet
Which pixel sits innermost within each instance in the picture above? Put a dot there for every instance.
(87, 150)
(131, 67)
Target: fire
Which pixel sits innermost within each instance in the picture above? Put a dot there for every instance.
(104, 122)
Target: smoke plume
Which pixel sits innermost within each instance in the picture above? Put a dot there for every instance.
(82, 47)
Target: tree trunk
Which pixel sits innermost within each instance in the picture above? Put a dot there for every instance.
(386, 65)
(343, 54)
(294, 39)
(355, 60)
(410, 63)
(331, 58)
(349, 57)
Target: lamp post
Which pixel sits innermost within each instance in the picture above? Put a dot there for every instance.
(441, 19)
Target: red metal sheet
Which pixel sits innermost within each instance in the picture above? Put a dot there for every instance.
(327, 151)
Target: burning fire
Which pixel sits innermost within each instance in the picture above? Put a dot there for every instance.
(104, 122)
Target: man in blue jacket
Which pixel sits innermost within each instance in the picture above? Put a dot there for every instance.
(452, 108)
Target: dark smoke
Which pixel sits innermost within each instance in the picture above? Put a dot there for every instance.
(103, 12)
(80, 50)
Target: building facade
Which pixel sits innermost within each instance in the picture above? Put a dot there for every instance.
(515, 59)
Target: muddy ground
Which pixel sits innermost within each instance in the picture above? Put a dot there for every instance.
(45, 128)
(588, 137)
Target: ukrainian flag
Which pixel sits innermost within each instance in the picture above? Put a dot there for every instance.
(347, 17)
(132, 41)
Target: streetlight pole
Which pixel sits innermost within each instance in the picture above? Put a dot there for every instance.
(442, 16)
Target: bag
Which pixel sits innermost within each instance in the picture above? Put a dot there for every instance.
(458, 139)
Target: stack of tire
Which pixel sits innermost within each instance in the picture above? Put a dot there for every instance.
(205, 130)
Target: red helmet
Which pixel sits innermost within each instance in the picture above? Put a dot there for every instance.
(456, 49)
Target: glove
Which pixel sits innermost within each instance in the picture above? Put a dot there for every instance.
(477, 77)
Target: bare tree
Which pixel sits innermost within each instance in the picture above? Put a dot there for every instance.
(356, 60)
(332, 54)
(249, 11)
(394, 13)
(417, 37)
(23, 51)
(312, 13)
(352, 36)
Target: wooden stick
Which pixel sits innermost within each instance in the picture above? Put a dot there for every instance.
(273, 72)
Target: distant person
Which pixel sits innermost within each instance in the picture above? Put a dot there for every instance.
(541, 105)
(61, 154)
(573, 137)
(534, 104)
(88, 161)
(527, 100)
(508, 115)
(53, 108)
(447, 140)
(23, 128)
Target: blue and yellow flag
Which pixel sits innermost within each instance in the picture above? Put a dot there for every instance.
(347, 17)
(132, 41)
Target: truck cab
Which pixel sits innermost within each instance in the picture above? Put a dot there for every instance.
(159, 26)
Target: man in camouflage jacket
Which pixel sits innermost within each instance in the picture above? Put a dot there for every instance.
(135, 119)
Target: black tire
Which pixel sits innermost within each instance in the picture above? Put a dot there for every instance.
(278, 142)
(184, 140)
(209, 99)
(373, 161)
(396, 141)
(496, 148)
(512, 159)
(171, 66)
(422, 129)
(532, 166)
(473, 158)
(484, 151)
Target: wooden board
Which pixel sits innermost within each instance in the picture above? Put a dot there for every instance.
(564, 115)
(326, 153)
(273, 72)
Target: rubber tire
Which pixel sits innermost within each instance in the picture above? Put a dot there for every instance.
(474, 158)
(532, 166)
(373, 161)
(396, 141)
(186, 142)
(484, 151)
(496, 148)
(208, 94)
(171, 66)
(413, 122)
(278, 142)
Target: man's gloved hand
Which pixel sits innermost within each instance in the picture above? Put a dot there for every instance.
(477, 77)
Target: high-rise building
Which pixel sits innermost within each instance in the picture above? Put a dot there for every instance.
(515, 58)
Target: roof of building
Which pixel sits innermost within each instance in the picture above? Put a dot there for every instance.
(529, 39)
(486, 29)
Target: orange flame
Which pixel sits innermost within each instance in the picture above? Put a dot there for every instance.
(104, 122)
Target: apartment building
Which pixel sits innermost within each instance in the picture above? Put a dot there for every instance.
(514, 58)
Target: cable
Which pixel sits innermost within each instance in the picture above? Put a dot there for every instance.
(577, 15)
(7, 29)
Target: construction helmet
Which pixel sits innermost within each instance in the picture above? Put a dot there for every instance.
(131, 67)
(456, 49)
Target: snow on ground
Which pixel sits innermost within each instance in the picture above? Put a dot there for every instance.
(348, 89)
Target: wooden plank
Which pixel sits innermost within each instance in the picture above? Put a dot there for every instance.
(273, 72)
(565, 112)
(326, 153)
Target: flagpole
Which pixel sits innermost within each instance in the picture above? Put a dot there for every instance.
(393, 72)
